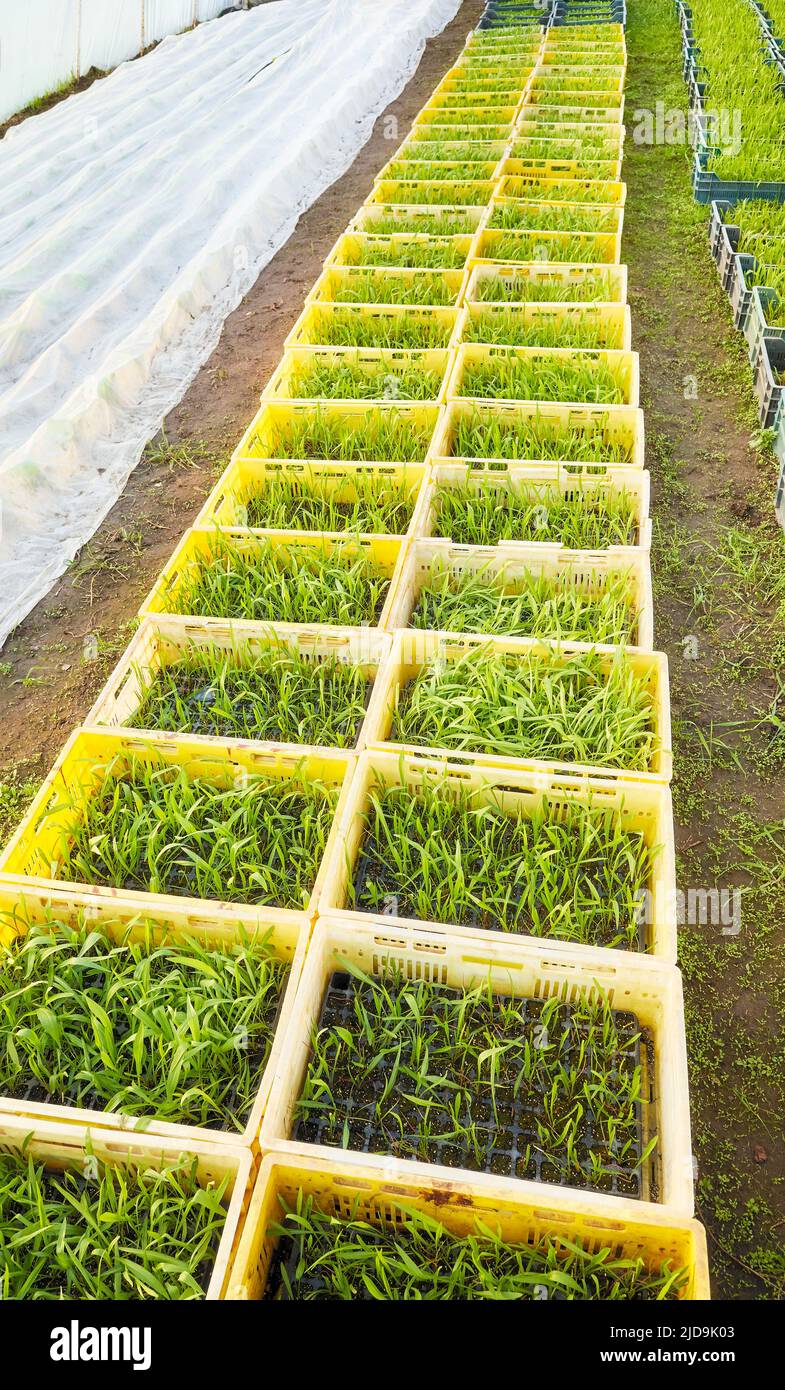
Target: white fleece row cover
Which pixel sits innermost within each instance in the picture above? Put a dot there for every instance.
(135, 216)
(44, 43)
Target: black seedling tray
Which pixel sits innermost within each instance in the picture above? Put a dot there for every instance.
(510, 1140)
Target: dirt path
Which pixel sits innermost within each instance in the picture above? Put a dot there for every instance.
(719, 572)
(46, 683)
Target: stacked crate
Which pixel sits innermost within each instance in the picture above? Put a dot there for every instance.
(487, 251)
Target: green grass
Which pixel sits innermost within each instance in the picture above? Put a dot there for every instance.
(346, 329)
(120, 1234)
(388, 436)
(495, 437)
(419, 1259)
(589, 520)
(531, 605)
(276, 696)
(509, 327)
(351, 381)
(173, 1031)
(152, 828)
(286, 584)
(543, 378)
(569, 710)
(370, 287)
(447, 856)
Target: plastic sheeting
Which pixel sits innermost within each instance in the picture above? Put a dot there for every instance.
(134, 218)
(44, 43)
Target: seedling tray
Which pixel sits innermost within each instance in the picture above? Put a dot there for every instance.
(368, 217)
(539, 482)
(648, 989)
(412, 652)
(59, 1147)
(119, 921)
(551, 189)
(536, 166)
(623, 366)
(244, 479)
(275, 420)
(708, 187)
(406, 192)
(508, 1156)
(32, 859)
(607, 325)
(513, 561)
(198, 548)
(621, 426)
(641, 808)
(345, 1189)
(351, 246)
(613, 280)
(534, 247)
(336, 281)
(383, 365)
(389, 325)
(161, 642)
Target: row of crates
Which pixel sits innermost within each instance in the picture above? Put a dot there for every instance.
(266, 1163)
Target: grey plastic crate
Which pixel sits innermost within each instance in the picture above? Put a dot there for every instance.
(739, 291)
(769, 361)
(757, 328)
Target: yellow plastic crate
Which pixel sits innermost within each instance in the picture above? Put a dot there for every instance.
(60, 1147)
(345, 1190)
(119, 920)
(522, 968)
(369, 215)
(160, 642)
(457, 146)
(227, 505)
(411, 651)
(275, 417)
(610, 322)
(538, 483)
(444, 170)
(349, 247)
(487, 84)
(503, 109)
(623, 366)
(596, 248)
(588, 168)
(595, 110)
(614, 278)
(532, 187)
(32, 857)
(621, 424)
(316, 323)
(608, 76)
(197, 547)
(336, 280)
(587, 569)
(612, 134)
(404, 192)
(381, 362)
